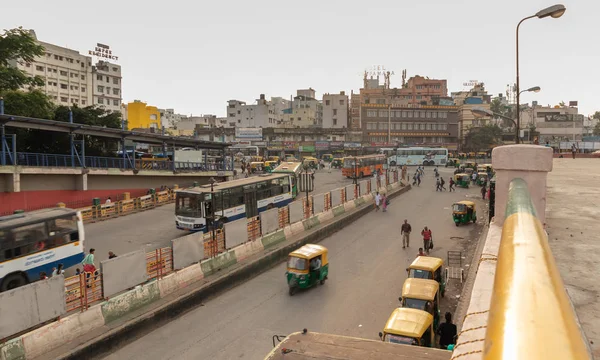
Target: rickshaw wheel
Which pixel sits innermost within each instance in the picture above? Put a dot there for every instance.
(456, 224)
(322, 282)
(443, 292)
(292, 290)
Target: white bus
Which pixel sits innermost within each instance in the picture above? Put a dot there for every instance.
(233, 200)
(419, 156)
(36, 242)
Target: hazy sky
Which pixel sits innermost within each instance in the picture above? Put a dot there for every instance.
(193, 56)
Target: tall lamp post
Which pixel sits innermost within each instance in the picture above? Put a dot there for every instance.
(554, 11)
(212, 213)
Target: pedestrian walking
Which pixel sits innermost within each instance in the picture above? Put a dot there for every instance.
(405, 232)
(427, 237)
(573, 150)
(384, 202)
(442, 183)
(88, 261)
(377, 201)
(414, 179)
(483, 192)
(421, 252)
(474, 177)
(438, 185)
(447, 332)
(451, 182)
(418, 179)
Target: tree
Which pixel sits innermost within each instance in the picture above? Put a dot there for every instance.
(18, 46)
(481, 138)
(596, 130)
(497, 107)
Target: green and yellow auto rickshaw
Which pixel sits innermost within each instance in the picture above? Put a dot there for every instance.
(306, 267)
(482, 178)
(422, 294)
(463, 212)
(453, 162)
(337, 163)
(270, 165)
(428, 267)
(462, 180)
(471, 165)
(409, 327)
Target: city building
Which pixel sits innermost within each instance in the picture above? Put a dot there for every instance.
(335, 110)
(305, 110)
(169, 118)
(553, 123)
(192, 122)
(106, 85)
(261, 114)
(66, 74)
(476, 97)
(417, 125)
(139, 115)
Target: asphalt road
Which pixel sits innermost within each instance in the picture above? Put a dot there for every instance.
(367, 269)
(156, 228)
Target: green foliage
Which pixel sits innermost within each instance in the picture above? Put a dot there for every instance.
(482, 138)
(18, 46)
(497, 107)
(596, 130)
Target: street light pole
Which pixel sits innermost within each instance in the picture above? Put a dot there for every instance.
(212, 215)
(554, 11)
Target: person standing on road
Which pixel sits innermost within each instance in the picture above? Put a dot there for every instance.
(573, 150)
(384, 202)
(377, 201)
(474, 177)
(483, 192)
(447, 332)
(419, 179)
(426, 239)
(437, 185)
(405, 232)
(451, 182)
(442, 183)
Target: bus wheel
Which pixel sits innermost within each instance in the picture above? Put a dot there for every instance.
(13, 281)
(392, 163)
(425, 163)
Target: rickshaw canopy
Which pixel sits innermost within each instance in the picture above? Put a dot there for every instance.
(460, 176)
(310, 251)
(408, 322)
(271, 163)
(460, 207)
(421, 289)
(256, 163)
(426, 263)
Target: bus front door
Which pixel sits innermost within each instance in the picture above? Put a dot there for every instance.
(250, 201)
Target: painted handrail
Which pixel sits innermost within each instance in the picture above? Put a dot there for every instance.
(530, 316)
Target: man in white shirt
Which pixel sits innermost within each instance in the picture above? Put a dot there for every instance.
(377, 201)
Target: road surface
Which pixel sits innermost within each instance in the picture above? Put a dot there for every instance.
(156, 228)
(367, 270)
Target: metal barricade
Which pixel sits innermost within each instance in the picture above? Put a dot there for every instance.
(253, 228)
(214, 246)
(146, 201)
(159, 262)
(127, 206)
(162, 197)
(87, 213)
(108, 210)
(327, 205)
(83, 290)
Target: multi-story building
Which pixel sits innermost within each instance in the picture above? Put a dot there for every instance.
(169, 118)
(106, 85)
(554, 123)
(476, 97)
(66, 74)
(433, 125)
(262, 114)
(192, 122)
(335, 110)
(141, 116)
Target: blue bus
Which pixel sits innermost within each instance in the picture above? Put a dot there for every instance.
(232, 200)
(36, 242)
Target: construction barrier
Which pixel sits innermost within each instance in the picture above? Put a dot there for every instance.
(356, 191)
(343, 196)
(254, 231)
(214, 246)
(162, 197)
(87, 213)
(127, 206)
(109, 210)
(146, 201)
(283, 217)
(308, 207)
(82, 290)
(327, 205)
(159, 262)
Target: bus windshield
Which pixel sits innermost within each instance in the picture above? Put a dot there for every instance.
(188, 204)
(349, 162)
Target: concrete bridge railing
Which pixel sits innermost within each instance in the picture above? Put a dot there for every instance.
(519, 308)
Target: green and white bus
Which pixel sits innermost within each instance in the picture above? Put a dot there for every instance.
(293, 168)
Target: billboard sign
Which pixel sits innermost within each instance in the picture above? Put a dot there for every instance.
(248, 133)
(103, 52)
(322, 145)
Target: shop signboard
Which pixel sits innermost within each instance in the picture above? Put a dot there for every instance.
(336, 144)
(248, 133)
(275, 145)
(306, 148)
(352, 145)
(290, 145)
(322, 145)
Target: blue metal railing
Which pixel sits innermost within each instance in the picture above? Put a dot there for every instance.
(59, 160)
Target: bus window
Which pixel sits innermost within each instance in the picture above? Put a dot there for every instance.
(30, 233)
(286, 184)
(276, 188)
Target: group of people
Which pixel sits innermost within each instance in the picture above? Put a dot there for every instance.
(381, 201)
(427, 234)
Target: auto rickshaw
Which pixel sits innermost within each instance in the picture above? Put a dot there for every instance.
(464, 212)
(481, 155)
(462, 180)
(258, 159)
(471, 164)
(270, 165)
(453, 162)
(409, 327)
(482, 178)
(428, 267)
(469, 171)
(336, 163)
(302, 271)
(462, 155)
(256, 166)
(327, 157)
(422, 294)
(481, 168)
(274, 158)
(312, 162)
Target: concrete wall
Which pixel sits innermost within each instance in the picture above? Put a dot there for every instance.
(269, 221)
(336, 197)
(4, 181)
(350, 192)
(363, 187)
(296, 213)
(123, 272)
(188, 250)
(373, 185)
(318, 203)
(30, 182)
(236, 233)
(29, 305)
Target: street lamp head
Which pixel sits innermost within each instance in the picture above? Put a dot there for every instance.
(554, 11)
(534, 89)
(481, 112)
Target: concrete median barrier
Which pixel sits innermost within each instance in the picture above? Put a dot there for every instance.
(248, 249)
(273, 239)
(219, 262)
(180, 279)
(132, 300)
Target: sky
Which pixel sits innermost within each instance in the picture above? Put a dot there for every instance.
(193, 56)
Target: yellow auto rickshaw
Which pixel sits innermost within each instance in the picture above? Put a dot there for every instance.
(482, 155)
(270, 165)
(256, 167)
(274, 158)
(463, 212)
(422, 294)
(462, 155)
(462, 180)
(472, 155)
(336, 163)
(471, 164)
(409, 327)
(428, 267)
(481, 168)
(258, 159)
(482, 178)
(453, 162)
(306, 267)
(312, 162)
(327, 157)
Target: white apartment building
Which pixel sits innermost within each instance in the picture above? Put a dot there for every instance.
(306, 99)
(190, 123)
(554, 123)
(263, 114)
(66, 74)
(335, 110)
(169, 118)
(106, 85)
